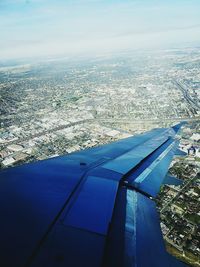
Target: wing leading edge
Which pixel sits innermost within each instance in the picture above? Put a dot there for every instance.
(89, 208)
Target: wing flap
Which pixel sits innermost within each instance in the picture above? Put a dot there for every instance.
(135, 237)
(155, 173)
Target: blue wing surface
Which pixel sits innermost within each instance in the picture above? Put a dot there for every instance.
(89, 208)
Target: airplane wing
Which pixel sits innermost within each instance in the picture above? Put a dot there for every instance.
(90, 208)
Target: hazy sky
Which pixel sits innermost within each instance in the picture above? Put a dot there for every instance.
(53, 27)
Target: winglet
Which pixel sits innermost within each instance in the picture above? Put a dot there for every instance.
(180, 153)
(171, 180)
(178, 126)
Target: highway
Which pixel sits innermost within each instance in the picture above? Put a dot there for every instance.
(140, 121)
(195, 106)
(52, 130)
(98, 120)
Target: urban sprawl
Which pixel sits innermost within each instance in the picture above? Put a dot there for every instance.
(58, 106)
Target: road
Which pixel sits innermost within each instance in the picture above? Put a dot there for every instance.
(54, 129)
(193, 104)
(178, 194)
(139, 121)
(98, 120)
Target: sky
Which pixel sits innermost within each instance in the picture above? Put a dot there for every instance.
(39, 28)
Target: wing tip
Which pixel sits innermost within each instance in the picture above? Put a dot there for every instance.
(178, 126)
